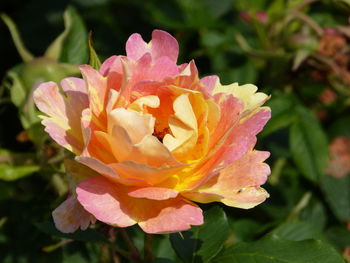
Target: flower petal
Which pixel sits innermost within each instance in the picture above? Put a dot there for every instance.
(151, 175)
(238, 184)
(136, 125)
(108, 171)
(246, 93)
(162, 44)
(70, 215)
(97, 90)
(155, 193)
(63, 123)
(103, 199)
(110, 203)
(172, 215)
(183, 125)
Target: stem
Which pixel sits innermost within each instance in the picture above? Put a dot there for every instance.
(148, 254)
(308, 20)
(304, 201)
(135, 254)
(304, 4)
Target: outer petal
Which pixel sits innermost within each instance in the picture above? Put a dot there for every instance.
(210, 82)
(162, 44)
(63, 123)
(103, 199)
(238, 184)
(109, 172)
(230, 146)
(111, 204)
(70, 216)
(147, 70)
(246, 93)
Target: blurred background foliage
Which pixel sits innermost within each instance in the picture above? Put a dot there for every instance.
(296, 50)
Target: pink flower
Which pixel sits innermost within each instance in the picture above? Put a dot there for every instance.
(151, 138)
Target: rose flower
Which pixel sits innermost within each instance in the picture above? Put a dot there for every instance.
(151, 138)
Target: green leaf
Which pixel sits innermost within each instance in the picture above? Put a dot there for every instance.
(276, 250)
(200, 244)
(337, 193)
(55, 48)
(340, 236)
(12, 173)
(21, 49)
(75, 47)
(300, 56)
(282, 113)
(244, 229)
(90, 235)
(94, 60)
(218, 8)
(297, 231)
(314, 214)
(17, 90)
(308, 145)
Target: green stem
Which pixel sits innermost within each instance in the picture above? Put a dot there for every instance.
(304, 201)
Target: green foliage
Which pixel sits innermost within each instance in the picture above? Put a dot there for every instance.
(277, 250)
(308, 145)
(199, 244)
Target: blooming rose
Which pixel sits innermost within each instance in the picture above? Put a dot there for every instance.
(151, 138)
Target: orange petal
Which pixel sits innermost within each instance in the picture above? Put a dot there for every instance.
(149, 174)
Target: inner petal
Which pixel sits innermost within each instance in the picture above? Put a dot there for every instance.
(183, 125)
(136, 125)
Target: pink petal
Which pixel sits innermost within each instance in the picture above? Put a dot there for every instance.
(162, 44)
(110, 203)
(210, 82)
(243, 137)
(63, 123)
(107, 64)
(172, 215)
(147, 70)
(155, 193)
(102, 199)
(238, 184)
(70, 215)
